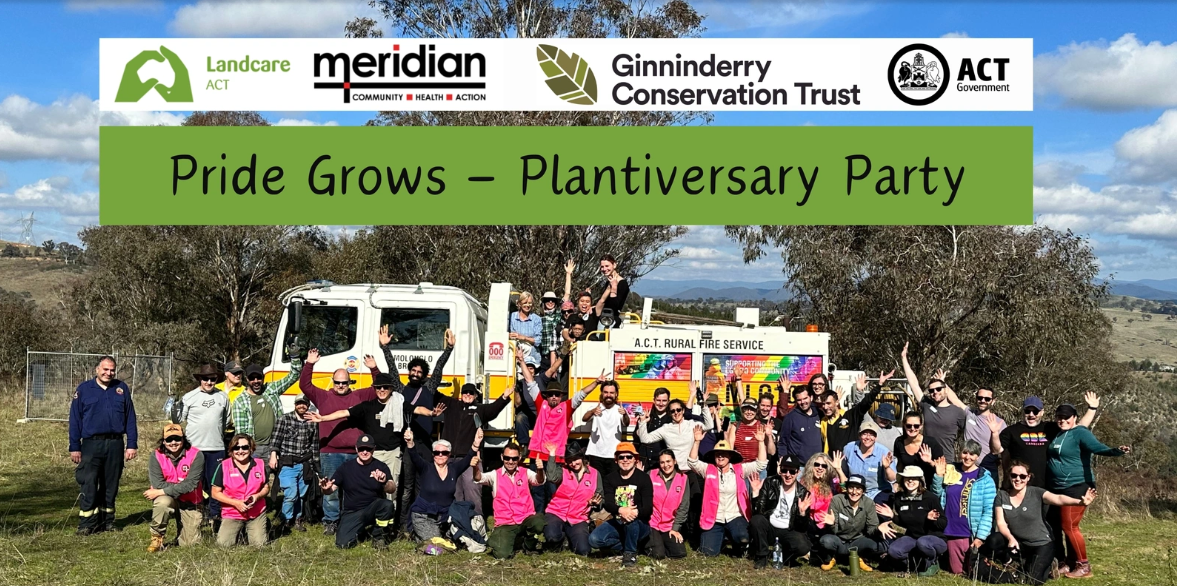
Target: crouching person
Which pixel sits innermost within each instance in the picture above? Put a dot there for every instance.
(781, 516)
(672, 503)
(516, 522)
(852, 524)
(175, 490)
(437, 486)
(726, 497)
(240, 484)
(579, 488)
(629, 497)
(363, 484)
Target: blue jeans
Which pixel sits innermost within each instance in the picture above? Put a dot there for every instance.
(711, 541)
(609, 535)
(331, 461)
(293, 489)
(212, 460)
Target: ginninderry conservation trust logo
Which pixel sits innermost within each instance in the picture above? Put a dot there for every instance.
(132, 89)
(568, 76)
(918, 74)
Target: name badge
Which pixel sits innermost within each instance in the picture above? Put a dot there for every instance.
(872, 469)
(843, 516)
(748, 439)
(904, 508)
(933, 408)
(1007, 507)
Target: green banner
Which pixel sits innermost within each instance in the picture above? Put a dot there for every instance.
(566, 175)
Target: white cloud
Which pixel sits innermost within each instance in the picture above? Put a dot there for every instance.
(64, 130)
(955, 35)
(1149, 154)
(54, 193)
(268, 18)
(1056, 173)
(304, 122)
(698, 253)
(1117, 200)
(1122, 75)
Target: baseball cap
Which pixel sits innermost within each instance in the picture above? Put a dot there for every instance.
(365, 441)
(1034, 402)
(234, 367)
(471, 389)
(254, 369)
(790, 462)
(856, 479)
(869, 425)
(749, 403)
(885, 411)
(1065, 411)
(170, 429)
(302, 399)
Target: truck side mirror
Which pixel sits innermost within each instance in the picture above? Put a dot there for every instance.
(294, 321)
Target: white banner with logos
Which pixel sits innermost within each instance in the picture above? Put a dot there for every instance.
(965, 74)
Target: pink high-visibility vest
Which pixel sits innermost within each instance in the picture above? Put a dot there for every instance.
(571, 501)
(176, 472)
(512, 502)
(238, 486)
(711, 495)
(666, 500)
(551, 426)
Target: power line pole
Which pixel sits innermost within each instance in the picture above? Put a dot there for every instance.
(26, 229)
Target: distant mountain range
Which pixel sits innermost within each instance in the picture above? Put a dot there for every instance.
(1152, 289)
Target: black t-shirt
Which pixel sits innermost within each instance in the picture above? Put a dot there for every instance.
(356, 485)
(902, 459)
(618, 302)
(637, 490)
(366, 416)
(422, 425)
(1029, 444)
(590, 323)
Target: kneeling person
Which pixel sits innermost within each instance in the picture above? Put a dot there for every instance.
(240, 485)
(781, 508)
(672, 503)
(853, 521)
(514, 510)
(364, 482)
(629, 497)
(579, 487)
(175, 490)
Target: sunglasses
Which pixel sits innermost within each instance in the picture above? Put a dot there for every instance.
(510, 458)
(343, 383)
(363, 449)
(208, 379)
(936, 390)
(173, 439)
(916, 426)
(256, 377)
(677, 410)
(441, 452)
(1031, 411)
(383, 388)
(984, 399)
(241, 448)
(789, 471)
(1020, 476)
(625, 457)
(820, 465)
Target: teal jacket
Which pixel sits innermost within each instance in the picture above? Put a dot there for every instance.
(980, 505)
(1070, 458)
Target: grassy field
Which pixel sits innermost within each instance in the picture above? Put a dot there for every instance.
(38, 515)
(41, 279)
(1155, 339)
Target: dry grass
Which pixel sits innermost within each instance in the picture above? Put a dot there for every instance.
(41, 279)
(1155, 339)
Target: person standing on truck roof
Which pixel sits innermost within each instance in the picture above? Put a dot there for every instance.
(206, 410)
(616, 290)
(800, 433)
(943, 421)
(609, 422)
(100, 414)
(418, 397)
(337, 439)
(464, 417)
(526, 328)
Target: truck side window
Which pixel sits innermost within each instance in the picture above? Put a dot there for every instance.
(416, 329)
(330, 329)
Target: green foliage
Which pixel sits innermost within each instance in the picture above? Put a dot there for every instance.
(23, 325)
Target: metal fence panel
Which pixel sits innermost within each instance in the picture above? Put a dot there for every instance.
(53, 376)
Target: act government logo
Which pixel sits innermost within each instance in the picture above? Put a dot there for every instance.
(132, 88)
(918, 74)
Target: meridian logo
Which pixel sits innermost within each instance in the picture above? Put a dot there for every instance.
(569, 76)
(425, 63)
(921, 76)
(132, 89)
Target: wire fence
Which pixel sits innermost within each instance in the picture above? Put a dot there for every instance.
(52, 377)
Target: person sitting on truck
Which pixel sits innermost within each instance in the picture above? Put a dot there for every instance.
(585, 315)
(616, 291)
(609, 422)
(464, 417)
(800, 433)
(552, 321)
(578, 489)
(526, 328)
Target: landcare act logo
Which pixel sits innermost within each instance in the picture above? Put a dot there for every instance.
(918, 74)
(569, 76)
(132, 89)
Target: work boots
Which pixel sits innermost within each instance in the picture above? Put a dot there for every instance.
(156, 543)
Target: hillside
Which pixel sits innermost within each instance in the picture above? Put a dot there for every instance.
(1133, 338)
(39, 278)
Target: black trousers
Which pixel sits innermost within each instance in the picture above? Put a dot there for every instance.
(1034, 561)
(604, 465)
(556, 529)
(794, 544)
(379, 512)
(407, 487)
(99, 474)
(662, 545)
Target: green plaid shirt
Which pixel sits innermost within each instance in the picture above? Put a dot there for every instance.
(550, 336)
(241, 413)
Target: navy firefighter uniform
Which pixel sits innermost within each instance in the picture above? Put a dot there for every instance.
(99, 417)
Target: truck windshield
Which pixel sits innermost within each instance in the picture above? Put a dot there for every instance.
(416, 329)
(330, 329)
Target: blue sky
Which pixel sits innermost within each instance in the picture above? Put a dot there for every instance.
(1105, 117)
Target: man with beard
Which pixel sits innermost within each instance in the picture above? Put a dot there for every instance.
(337, 439)
(609, 422)
(256, 410)
(659, 415)
(418, 396)
(982, 425)
(629, 497)
(294, 447)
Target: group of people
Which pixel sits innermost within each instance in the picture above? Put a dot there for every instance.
(793, 479)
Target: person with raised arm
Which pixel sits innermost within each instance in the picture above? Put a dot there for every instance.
(437, 480)
(726, 497)
(781, 515)
(579, 487)
(943, 422)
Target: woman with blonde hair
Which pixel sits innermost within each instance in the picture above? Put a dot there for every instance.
(526, 327)
(821, 480)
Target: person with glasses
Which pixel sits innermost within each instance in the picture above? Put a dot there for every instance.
(943, 421)
(206, 412)
(1022, 532)
(966, 495)
(915, 531)
(437, 482)
(800, 431)
(820, 478)
(174, 474)
(672, 504)
(1070, 474)
(579, 487)
(364, 482)
(679, 437)
(983, 426)
(552, 320)
(781, 515)
(516, 522)
(256, 410)
(296, 441)
(241, 484)
(100, 414)
(726, 497)
(852, 523)
(911, 449)
(628, 495)
(465, 416)
(337, 438)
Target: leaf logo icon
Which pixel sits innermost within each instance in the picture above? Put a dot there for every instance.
(569, 76)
